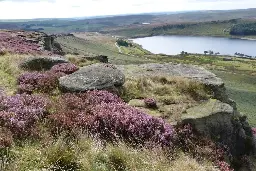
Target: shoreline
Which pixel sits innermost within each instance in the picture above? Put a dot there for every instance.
(230, 37)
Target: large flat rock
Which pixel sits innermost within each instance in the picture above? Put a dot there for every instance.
(170, 69)
(96, 76)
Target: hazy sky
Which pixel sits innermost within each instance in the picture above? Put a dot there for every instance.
(26, 9)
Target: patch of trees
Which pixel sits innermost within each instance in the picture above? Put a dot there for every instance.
(243, 29)
(122, 42)
(176, 26)
(186, 25)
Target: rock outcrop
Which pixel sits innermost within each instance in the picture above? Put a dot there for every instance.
(29, 42)
(50, 44)
(217, 118)
(188, 71)
(41, 63)
(96, 76)
(220, 122)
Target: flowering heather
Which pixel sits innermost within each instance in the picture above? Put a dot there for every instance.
(119, 120)
(19, 113)
(38, 81)
(105, 115)
(97, 97)
(150, 103)
(66, 68)
(14, 43)
(254, 131)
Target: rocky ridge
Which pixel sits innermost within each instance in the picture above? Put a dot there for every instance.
(217, 118)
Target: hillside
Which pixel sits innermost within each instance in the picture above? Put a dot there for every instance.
(104, 23)
(97, 106)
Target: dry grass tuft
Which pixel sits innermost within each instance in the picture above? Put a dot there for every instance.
(173, 94)
(9, 71)
(86, 154)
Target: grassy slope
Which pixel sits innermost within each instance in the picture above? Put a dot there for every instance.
(97, 44)
(219, 29)
(241, 88)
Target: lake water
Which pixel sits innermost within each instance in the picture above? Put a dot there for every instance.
(173, 45)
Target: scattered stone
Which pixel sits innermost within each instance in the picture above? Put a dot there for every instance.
(137, 103)
(41, 63)
(96, 76)
(227, 59)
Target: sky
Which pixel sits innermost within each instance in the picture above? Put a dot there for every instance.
(28, 9)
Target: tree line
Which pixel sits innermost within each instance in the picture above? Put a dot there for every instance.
(243, 29)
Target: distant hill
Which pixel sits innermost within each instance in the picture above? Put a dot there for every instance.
(100, 23)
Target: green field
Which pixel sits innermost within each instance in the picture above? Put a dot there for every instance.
(242, 89)
(89, 44)
(209, 28)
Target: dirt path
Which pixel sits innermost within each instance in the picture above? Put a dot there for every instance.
(119, 49)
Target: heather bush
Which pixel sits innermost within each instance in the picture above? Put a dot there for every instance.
(150, 102)
(14, 43)
(20, 112)
(67, 68)
(38, 81)
(106, 116)
(118, 120)
(70, 111)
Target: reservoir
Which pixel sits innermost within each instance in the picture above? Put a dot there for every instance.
(173, 45)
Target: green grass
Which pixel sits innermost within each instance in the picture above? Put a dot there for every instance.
(242, 89)
(237, 65)
(173, 94)
(84, 154)
(217, 28)
(9, 71)
(89, 47)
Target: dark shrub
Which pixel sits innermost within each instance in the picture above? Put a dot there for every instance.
(5, 138)
(66, 68)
